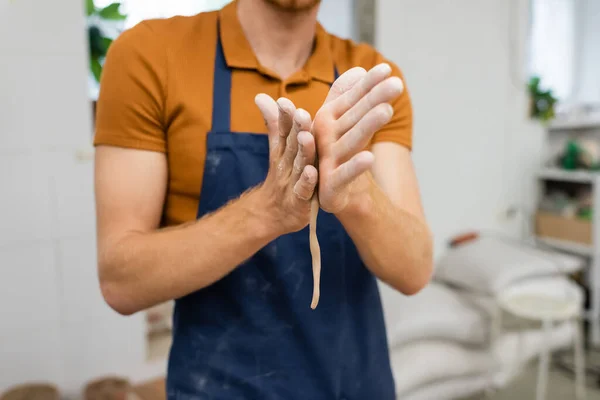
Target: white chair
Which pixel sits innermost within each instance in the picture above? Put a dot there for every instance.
(549, 301)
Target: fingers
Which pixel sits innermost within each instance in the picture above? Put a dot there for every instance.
(305, 155)
(305, 187)
(287, 109)
(383, 92)
(301, 122)
(357, 138)
(350, 170)
(346, 101)
(345, 82)
(270, 112)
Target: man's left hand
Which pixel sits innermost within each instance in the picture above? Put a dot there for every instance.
(357, 106)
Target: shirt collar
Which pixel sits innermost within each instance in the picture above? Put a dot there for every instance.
(239, 54)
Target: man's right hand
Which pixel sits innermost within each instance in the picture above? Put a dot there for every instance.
(141, 265)
(292, 176)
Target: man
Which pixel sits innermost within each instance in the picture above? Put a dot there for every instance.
(204, 198)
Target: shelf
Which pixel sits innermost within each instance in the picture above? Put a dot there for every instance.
(569, 247)
(575, 124)
(557, 174)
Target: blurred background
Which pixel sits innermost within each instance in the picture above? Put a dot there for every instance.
(506, 96)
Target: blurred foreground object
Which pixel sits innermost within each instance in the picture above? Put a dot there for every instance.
(152, 390)
(32, 391)
(109, 388)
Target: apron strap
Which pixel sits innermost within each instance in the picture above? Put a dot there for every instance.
(221, 113)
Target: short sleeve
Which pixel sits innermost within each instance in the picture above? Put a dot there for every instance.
(400, 128)
(130, 107)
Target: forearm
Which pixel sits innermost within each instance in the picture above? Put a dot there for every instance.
(140, 270)
(394, 244)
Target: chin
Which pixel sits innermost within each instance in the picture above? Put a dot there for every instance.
(294, 5)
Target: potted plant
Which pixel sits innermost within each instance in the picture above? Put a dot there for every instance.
(541, 102)
(99, 20)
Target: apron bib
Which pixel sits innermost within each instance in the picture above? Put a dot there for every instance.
(252, 335)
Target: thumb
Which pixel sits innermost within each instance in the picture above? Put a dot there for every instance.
(345, 82)
(270, 112)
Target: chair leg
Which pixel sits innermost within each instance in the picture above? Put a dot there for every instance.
(495, 334)
(544, 363)
(496, 328)
(579, 361)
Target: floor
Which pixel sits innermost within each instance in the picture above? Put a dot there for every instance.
(560, 383)
(560, 386)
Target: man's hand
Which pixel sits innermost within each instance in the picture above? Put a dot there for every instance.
(356, 107)
(141, 265)
(292, 176)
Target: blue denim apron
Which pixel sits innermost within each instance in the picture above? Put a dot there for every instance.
(252, 335)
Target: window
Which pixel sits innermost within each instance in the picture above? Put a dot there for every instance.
(553, 43)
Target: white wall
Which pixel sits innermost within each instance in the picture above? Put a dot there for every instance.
(474, 150)
(53, 323)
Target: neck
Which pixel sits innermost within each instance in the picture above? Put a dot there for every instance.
(281, 40)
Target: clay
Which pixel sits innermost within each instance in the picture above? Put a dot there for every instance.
(315, 249)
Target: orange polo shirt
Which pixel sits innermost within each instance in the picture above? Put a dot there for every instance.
(157, 85)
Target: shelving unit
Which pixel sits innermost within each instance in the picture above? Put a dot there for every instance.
(558, 134)
(575, 124)
(568, 247)
(560, 175)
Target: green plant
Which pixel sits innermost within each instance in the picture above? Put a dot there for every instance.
(542, 102)
(98, 41)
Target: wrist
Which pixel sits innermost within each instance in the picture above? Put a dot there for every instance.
(361, 201)
(262, 215)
